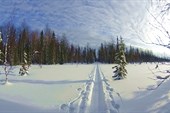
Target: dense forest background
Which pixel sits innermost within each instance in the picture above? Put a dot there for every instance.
(45, 47)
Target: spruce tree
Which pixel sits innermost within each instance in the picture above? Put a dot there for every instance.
(42, 48)
(120, 58)
(24, 69)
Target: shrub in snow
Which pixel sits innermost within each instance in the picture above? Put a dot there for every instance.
(24, 69)
(120, 71)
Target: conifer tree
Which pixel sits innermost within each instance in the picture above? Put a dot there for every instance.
(42, 48)
(11, 44)
(24, 69)
(120, 58)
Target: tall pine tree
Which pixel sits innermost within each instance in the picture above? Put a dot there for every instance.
(120, 58)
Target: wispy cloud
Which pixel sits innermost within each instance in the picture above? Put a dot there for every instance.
(83, 21)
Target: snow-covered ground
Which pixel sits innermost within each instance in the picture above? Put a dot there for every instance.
(81, 88)
(136, 94)
(47, 87)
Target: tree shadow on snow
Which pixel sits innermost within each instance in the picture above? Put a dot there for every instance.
(10, 74)
(150, 101)
(45, 82)
(13, 107)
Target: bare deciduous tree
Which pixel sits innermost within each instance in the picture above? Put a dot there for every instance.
(7, 67)
(158, 20)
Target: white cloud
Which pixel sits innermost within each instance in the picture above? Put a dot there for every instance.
(83, 21)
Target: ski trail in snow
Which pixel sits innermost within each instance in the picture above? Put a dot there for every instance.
(97, 96)
(112, 106)
(86, 94)
(98, 104)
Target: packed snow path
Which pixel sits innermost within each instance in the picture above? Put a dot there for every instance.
(96, 97)
(98, 104)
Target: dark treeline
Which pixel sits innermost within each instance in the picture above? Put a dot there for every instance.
(107, 51)
(45, 47)
(42, 47)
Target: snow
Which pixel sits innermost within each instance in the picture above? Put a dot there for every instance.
(81, 88)
(47, 87)
(6, 83)
(133, 90)
(98, 98)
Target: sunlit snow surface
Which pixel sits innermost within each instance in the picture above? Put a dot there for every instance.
(48, 88)
(135, 90)
(45, 87)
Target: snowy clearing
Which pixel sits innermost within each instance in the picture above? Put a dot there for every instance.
(136, 94)
(47, 87)
(73, 88)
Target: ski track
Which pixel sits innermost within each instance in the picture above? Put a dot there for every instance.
(98, 103)
(97, 96)
(112, 106)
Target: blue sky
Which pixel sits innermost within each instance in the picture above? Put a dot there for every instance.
(83, 21)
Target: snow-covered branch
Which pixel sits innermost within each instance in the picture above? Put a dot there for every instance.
(157, 77)
(158, 85)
